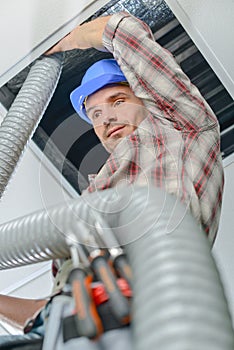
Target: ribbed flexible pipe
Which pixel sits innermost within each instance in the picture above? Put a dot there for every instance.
(26, 112)
(179, 302)
(179, 298)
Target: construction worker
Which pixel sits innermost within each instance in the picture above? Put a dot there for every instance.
(149, 116)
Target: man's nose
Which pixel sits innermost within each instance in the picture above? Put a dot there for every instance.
(109, 117)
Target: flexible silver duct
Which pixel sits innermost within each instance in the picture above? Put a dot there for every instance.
(26, 112)
(179, 302)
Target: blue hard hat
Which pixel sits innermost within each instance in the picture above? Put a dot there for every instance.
(100, 74)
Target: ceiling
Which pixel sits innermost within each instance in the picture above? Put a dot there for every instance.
(66, 139)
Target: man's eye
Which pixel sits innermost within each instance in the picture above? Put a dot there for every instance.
(118, 102)
(96, 115)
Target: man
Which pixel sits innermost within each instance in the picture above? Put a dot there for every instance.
(152, 120)
(169, 135)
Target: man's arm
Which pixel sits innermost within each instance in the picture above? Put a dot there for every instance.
(85, 36)
(16, 311)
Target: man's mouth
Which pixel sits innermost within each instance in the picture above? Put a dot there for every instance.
(115, 130)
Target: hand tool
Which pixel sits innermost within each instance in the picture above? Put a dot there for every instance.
(118, 302)
(88, 320)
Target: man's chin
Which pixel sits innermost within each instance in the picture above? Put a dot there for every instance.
(110, 145)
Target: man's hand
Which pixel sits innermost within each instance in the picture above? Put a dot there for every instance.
(85, 36)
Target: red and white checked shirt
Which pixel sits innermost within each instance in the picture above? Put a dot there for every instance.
(177, 147)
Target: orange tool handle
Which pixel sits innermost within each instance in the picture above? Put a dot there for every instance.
(118, 303)
(121, 265)
(88, 320)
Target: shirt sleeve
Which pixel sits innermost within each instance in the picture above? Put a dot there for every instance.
(155, 76)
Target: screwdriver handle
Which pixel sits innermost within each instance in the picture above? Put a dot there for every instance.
(88, 320)
(118, 303)
(121, 265)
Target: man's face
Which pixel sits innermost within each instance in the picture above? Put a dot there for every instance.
(115, 113)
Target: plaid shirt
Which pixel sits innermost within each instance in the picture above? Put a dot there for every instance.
(177, 146)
